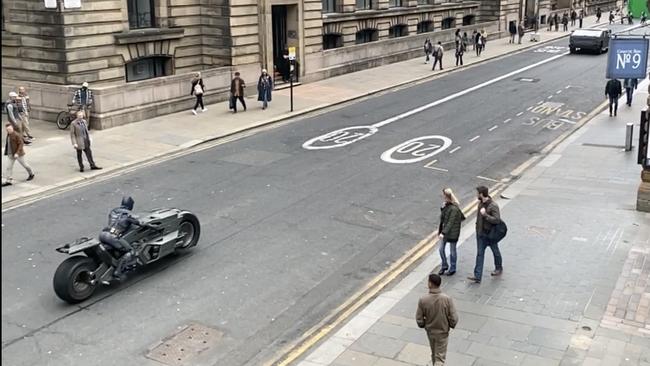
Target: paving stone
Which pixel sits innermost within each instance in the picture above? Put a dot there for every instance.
(458, 345)
(549, 338)
(532, 360)
(415, 354)
(504, 328)
(524, 347)
(486, 362)
(501, 342)
(378, 345)
(353, 358)
(550, 353)
(497, 354)
(388, 362)
(589, 361)
(387, 329)
(417, 336)
(568, 361)
(400, 320)
(470, 322)
(459, 359)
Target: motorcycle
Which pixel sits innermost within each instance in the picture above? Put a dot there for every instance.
(163, 232)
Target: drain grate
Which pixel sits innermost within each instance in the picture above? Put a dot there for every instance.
(183, 347)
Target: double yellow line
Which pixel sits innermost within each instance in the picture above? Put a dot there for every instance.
(315, 334)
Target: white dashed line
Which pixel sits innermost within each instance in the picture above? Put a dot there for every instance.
(454, 149)
(474, 138)
(429, 165)
(567, 87)
(558, 92)
(519, 114)
(549, 97)
(508, 120)
(540, 102)
(488, 179)
(567, 121)
(493, 128)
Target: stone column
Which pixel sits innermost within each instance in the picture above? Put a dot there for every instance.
(643, 193)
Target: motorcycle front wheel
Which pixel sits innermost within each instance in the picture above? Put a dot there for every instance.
(73, 279)
(63, 120)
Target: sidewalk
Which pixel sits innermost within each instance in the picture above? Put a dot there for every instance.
(53, 159)
(576, 282)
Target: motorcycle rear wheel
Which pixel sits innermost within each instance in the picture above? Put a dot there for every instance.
(72, 279)
(190, 228)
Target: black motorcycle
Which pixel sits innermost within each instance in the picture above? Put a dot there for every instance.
(162, 232)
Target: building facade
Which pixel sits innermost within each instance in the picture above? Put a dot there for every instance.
(139, 55)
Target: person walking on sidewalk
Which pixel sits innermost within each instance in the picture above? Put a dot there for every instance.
(438, 51)
(630, 85)
(264, 88)
(451, 217)
(474, 40)
(644, 17)
(437, 314)
(80, 138)
(611, 17)
(488, 215)
(24, 107)
(565, 22)
(512, 28)
(460, 50)
(599, 13)
(613, 91)
(14, 151)
(197, 90)
(521, 31)
(237, 86)
(556, 21)
(428, 49)
(13, 115)
(550, 23)
(465, 40)
(574, 15)
(581, 17)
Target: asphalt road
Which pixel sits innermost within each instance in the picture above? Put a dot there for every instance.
(287, 233)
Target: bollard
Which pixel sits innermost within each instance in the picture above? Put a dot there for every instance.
(629, 133)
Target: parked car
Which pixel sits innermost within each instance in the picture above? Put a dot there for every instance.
(589, 39)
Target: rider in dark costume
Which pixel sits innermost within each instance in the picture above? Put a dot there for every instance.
(120, 220)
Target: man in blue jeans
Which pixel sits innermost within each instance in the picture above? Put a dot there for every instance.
(487, 216)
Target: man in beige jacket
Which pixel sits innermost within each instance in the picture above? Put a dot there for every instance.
(436, 314)
(80, 138)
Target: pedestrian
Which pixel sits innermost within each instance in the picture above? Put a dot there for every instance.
(14, 151)
(438, 52)
(611, 18)
(80, 138)
(629, 19)
(474, 40)
(437, 315)
(428, 48)
(599, 13)
(457, 38)
(237, 86)
(24, 107)
(198, 88)
(479, 44)
(581, 17)
(460, 50)
(513, 32)
(465, 40)
(487, 217)
(451, 217)
(644, 17)
(574, 16)
(521, 31)
(550, 23)
(613, 91)
(565, 22)
(630, 85)
(13, 115)
(483, 40)
(83, 100)
(556, 22)
(264, 88)
(536, 23)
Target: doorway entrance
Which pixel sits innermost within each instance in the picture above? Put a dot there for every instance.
(284, 27)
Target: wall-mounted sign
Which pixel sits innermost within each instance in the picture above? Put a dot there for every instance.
(292, 53)
(628, 58)
(50, 4)
(71, 4)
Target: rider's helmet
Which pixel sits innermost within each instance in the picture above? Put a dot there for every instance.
(127, 202)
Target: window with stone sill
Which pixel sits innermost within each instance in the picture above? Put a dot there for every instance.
(469, 19)
(395, 3)
(424, 2)
(448, 23)
(332, 6)
(398, 30)
(141, 14)
(367, 35)
(366, 4)
(148, 68)
(332, 41)
(425, 26)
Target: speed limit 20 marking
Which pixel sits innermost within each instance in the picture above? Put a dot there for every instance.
(416, 150)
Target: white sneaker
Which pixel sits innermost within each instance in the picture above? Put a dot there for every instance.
(204, 109)
(194, 111)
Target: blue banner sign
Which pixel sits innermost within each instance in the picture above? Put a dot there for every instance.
(628, 58)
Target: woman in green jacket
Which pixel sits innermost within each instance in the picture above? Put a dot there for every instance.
(449, 230)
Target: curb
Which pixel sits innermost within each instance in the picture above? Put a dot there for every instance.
(50, 190)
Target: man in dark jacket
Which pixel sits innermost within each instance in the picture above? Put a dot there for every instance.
(613, 91)
(14, 151)
(237, 86)
(487, 216)
(630, 85)
(513, 32)
(437, 315)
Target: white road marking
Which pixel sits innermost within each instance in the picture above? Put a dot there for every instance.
(567, 87)
(429, 165)
(417, 149)
(493, 128)
(454, 149)
(579, 238)
(568, 121)
(519, 114)
(558, 92)
(549, 97)
(486, 178)
(540, 102)
(529, 108)
(474, 138)
(508, 120)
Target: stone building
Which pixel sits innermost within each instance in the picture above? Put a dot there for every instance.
(139, 55)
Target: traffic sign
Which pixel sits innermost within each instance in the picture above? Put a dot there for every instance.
(628, 58)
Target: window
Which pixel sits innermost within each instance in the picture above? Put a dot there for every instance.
(424, 2)
(395, 3)
(425, 26)
(141, 14)
(398, 30)
(148, 68)
(448, 23)
(332, 41)
(332, 6)
(367, 35)
(366, 4)
(468, 19)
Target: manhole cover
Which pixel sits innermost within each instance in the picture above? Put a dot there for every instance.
(182, 348)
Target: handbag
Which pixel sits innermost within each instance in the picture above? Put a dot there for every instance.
(197, 89)
(498, 232)
(232, 102)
